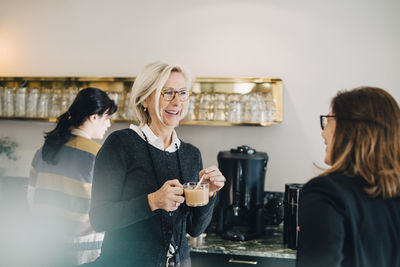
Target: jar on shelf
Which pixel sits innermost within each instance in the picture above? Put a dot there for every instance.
(250, 112)
(8, 102)
(1, 101)
(32, 103)
(191, 113)
(262, 109)
(43, 104)
(20, 102)
(205, 108)
(116, 97)
(234, 109)
(270, 106)
(127, 111)
(219, 113)
(55, 103)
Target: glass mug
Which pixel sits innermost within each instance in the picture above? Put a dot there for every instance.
(196, 195)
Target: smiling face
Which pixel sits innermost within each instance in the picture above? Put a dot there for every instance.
(171, 112)
(328, 134)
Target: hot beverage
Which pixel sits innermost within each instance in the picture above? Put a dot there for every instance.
(196, 195)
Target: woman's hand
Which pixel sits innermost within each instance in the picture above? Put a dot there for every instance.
(168, 197)
(214, 177)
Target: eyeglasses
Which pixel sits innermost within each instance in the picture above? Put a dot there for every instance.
(169, 94)
(323, 119)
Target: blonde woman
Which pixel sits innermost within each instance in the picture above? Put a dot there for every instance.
(350, 215)
(137, 191)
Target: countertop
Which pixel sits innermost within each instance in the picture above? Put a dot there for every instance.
(270, 246)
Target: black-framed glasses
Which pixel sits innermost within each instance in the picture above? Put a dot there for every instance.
(169, 94)
(323, 119)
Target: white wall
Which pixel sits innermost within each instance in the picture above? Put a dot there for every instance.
(316, 47)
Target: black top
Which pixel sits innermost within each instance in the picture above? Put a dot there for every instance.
(123, 177)
(341, 225)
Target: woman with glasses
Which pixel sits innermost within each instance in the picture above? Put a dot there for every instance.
(350, 214)
(137, 192)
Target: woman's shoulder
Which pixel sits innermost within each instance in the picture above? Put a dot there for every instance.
(122, 138)
(124, 134)
(335, 184)
(187, 147)
(83, 144)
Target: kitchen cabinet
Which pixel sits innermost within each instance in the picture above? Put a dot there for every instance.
(213, 102)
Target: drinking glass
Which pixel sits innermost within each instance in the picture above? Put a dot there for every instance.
(55, 103)
(234, 109)
(262, 109)
(191, 114)
(32, 103)
(8, 102)
(219, 107)
(117, 99)
(205, 107)
(128, 113)
(196, 195)
(1, 101)
(43, 105)
(270, 104)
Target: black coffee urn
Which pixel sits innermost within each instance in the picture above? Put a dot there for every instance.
(239, 208)
(291, 215)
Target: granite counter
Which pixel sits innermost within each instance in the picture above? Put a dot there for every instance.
(269, 246)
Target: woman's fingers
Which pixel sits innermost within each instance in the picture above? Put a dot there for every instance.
(178, 199)
(174, 182)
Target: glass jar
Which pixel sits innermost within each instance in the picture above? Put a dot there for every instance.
(191, 113)
(20, 102)
(1, 101)
(234, 109)
(205, 107)
(117, 100)
(32, 103)
(219, 107)
(270, 106)
(8, 102)
(43, 104)
(55, 103)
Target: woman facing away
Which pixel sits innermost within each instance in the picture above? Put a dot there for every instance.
(350, 214)
(60, 184)
(139, 172)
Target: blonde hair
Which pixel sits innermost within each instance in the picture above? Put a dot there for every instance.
(152, 78)
(367, 139)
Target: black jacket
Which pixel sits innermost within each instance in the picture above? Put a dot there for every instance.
(123, 177)
(341, 225)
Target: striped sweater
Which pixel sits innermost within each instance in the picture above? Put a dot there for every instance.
(63, 191)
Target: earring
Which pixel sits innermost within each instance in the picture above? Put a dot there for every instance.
(144, 109)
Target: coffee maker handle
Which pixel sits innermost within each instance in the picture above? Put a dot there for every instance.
(236, 189)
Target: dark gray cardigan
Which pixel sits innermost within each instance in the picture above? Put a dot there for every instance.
(123, 177)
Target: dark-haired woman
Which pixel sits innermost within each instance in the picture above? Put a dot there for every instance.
(59, 190)
(350, 214)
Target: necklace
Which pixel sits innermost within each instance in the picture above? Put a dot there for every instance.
(182, 211)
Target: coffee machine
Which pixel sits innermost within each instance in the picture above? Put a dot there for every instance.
(291, 215)
(239, 210)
